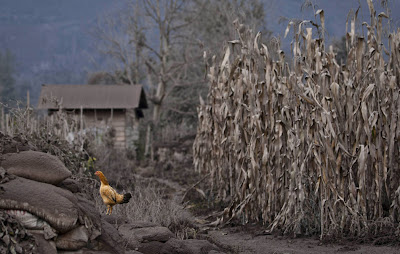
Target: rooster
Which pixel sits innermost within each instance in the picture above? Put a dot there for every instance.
(109, 195)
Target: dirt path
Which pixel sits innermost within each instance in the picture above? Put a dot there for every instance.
(244, 240)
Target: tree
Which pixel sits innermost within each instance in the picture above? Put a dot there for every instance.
(101, 78)
(7, 81)
(161, 44)
(210, 28)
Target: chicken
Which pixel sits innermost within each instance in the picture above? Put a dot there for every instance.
(109, 195)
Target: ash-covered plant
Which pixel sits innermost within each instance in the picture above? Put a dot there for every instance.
(309, 146)
(14, 238)
(50, 134)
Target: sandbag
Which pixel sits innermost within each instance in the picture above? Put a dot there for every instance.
(56, 206)
(28, 220)
(37, 166)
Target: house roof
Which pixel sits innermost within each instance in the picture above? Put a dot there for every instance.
(92, 96)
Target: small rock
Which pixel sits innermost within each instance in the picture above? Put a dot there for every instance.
(138, 224)
(110, 239)
(153, 247)
(149, 234)
(74, 239)
(189, 246)
(132, 252)
(44, 246)
(128, 235)
(114, 219)
(84, 251)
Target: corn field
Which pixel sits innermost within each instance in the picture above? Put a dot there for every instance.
(311, 146)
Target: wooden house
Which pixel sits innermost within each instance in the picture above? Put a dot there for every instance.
(117, 106)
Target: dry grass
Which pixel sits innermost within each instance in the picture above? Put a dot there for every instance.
(84, 156)
(151, 201)
(48, 134)
(309, 146)
(148, 203)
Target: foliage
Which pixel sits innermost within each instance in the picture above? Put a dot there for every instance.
(311, 147)
(101, 78)
(49, 135)
(210, 24)
(14, 238)
(164, 49)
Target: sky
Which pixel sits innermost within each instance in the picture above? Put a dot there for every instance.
(336, 12)
(52, 43)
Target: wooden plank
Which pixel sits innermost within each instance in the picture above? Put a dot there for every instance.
(119, 139)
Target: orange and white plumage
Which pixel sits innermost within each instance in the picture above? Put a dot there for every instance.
(109, 195)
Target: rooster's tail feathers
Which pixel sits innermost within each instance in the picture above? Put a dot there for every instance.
(126, 198)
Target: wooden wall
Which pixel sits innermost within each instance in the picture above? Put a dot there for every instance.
(102, 118)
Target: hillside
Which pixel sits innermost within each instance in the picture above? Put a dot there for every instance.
(52, 43)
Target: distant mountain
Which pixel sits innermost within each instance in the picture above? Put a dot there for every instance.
(52, 44)
(50, 39)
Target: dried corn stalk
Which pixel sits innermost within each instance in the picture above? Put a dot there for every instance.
(311, 148)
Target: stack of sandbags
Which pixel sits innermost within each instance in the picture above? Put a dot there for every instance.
(58, 218)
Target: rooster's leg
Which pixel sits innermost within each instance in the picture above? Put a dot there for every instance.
(110, 210)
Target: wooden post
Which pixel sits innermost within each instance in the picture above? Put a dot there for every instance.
(27, 99)
(28, 112)
(95, 117)
(81, 120)
(2, 120)
(81, 127)
(148, 145)
(7, 125)
(95, 125)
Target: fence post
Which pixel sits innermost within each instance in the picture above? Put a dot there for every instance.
(81, 128)
(7, 125)
(28, 115)
(2, 124)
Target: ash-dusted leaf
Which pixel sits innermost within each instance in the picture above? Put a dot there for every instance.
(383, 15)
(368, 91)
(335, 89)
(264, 50)
(226, 58)
(364, 111)
(202, 193)
(379, 27)
(256, 41)
(288, 28)
(392, 82)
(372, 12)
(234, 42)
(6, 239)
(322, 18)
(373, 118)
